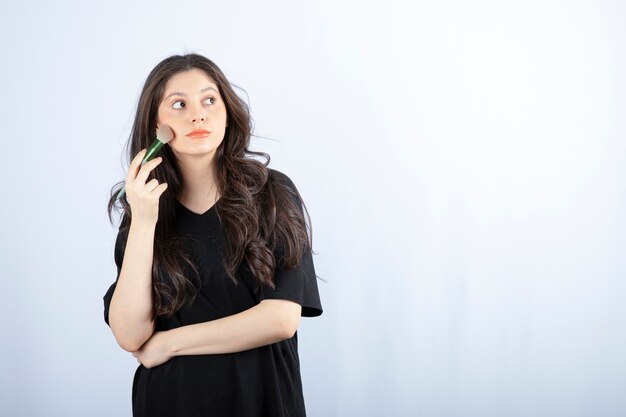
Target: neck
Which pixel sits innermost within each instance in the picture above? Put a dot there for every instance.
(198, 180)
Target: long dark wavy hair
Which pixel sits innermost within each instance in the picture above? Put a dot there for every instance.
(254, 224)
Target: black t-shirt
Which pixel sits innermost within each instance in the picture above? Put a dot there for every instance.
(263, 381)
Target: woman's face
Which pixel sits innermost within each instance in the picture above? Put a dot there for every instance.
(192, 102)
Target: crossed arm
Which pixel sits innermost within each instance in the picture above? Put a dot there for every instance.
(268, 322)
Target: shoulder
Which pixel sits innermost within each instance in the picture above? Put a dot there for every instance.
(281, 177)
(284, 180)
(282, 183)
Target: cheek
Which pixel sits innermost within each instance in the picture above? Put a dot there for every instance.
(172, 121)
(164, 115)
(223, 114)
(161, 117)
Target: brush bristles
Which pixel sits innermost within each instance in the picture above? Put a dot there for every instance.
(165, 133)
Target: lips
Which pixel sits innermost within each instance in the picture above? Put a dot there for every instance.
(198, 133)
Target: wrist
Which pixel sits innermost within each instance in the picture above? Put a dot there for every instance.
(143, 226)
(170, 342)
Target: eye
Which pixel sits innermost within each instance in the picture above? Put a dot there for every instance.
(210, 98)
(178, 101)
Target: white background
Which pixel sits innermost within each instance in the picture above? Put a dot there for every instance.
(463, 163)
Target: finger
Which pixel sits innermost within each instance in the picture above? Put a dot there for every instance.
(134, 165)
(160, 189)
(145, 170)
(152, 184)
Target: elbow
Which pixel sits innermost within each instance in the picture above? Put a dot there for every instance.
(289, 333)
(129, 346)
(127, 343)
(131, 341)
(284, 317)
(287, 326)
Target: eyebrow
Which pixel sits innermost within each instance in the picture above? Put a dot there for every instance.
(185, 95)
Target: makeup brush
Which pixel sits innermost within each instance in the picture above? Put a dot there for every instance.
(164, 135)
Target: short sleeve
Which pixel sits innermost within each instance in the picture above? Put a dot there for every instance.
(118, 255)
(298, 284)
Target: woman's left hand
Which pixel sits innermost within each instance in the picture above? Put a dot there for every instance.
(154, 351)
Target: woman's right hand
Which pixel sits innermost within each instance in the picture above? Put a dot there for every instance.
(143, 197)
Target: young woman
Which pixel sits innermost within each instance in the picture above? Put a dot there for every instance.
(213, 256)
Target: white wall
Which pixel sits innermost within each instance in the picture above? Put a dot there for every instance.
(463, 164)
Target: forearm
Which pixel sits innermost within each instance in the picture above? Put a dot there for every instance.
(268, 322)
(130, 311)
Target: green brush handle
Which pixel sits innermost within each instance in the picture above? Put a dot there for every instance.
(152, 152)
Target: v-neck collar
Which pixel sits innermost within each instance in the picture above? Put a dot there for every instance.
(193, 213)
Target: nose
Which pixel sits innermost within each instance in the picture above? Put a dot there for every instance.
(198, 117)
(198, 114)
